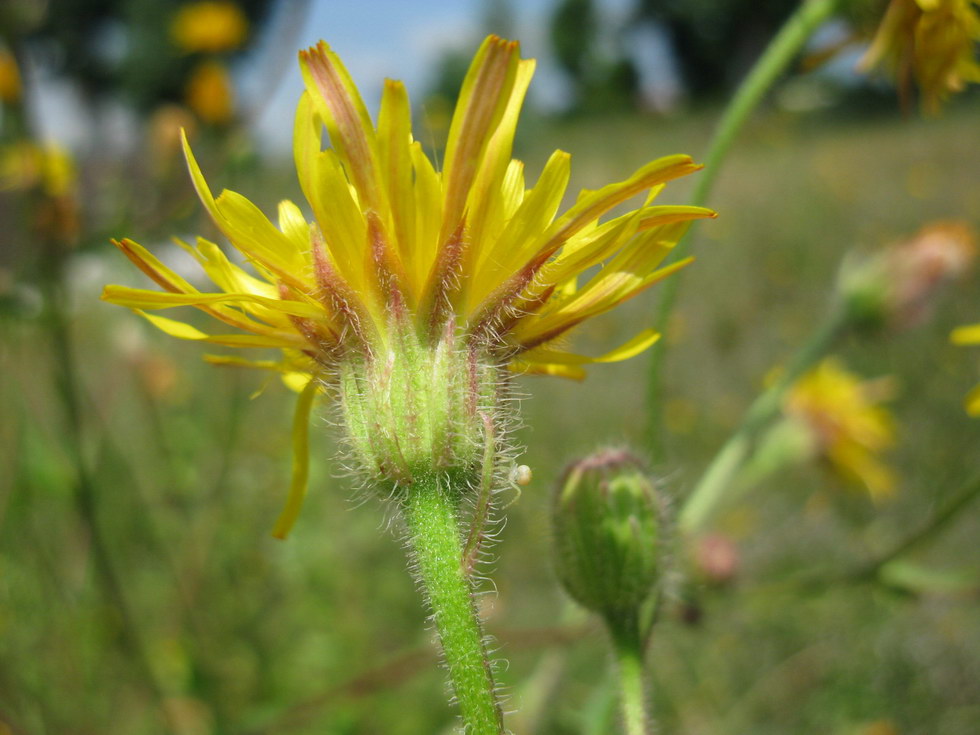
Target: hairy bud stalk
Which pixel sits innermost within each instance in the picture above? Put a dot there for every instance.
(609, 536)
(424, 422)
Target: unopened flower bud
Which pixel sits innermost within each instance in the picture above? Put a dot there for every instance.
(608, 527)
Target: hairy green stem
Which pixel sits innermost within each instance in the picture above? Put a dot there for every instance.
(777, 57)
(430, 509)
(629, 648)
(717, 480)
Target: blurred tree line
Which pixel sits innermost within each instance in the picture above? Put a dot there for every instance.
(144, 51)
(711, 43)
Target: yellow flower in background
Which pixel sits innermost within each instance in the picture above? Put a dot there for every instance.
(210, 94)
(9, 78)
(849, 427)
(969, 335)
(462, 272)
(930, 41)
(209, 27)
(26, 165)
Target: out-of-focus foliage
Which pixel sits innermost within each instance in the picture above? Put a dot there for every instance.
(325, 633)
(601, 82)
(143, 593)
(715, 40)
(123, 47)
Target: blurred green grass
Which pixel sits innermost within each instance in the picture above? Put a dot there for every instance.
(325, 633)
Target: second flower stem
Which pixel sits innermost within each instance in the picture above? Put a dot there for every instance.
(778, 55)
(430, 511)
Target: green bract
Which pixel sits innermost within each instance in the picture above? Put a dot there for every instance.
(608, 526)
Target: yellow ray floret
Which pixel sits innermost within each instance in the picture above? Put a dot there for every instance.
(850, 427)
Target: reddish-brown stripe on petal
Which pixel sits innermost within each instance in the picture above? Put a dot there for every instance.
(125, 245)
(387, 265)
(443, 280)
(334, 292)
(318, 335)
(353, 138)
(491, 85)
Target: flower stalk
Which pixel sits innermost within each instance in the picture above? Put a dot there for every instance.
(781, 51)
(430, 508)
(632, 697)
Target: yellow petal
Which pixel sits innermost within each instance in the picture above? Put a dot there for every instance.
(138, 298)
(484, 97)
(294, 225)
(597, 203)
(603, 293)
(487, 202)
(428, 223)
(515, 245)
(641, 342)
(301, 461)
(186, 331)
(572, 372)
(152, 267)
(246, 227)
(395, 155)
(351, 132)
(664, 214)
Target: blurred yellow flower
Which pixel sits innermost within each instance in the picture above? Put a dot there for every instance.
(210, 27)
(930, 41)
(210, 94)
(403, 263)
(9, 77)
(848, 426)
(969, 335)
(26, 165)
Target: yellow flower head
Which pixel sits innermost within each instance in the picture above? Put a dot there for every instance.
(209, 27)
(9, 78)
(210, 94)
(932, 41)
(849, 426)
(454, 273)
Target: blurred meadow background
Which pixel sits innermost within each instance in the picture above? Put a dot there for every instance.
(140, 589)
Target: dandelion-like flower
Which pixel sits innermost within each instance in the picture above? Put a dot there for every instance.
(413, 292)
(209, 26)
(930, 41)
(846, 423)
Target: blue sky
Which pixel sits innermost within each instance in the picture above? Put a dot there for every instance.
(392, 38)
